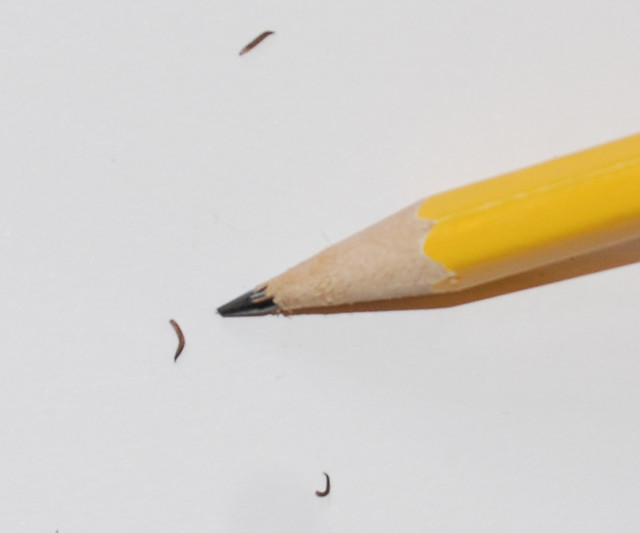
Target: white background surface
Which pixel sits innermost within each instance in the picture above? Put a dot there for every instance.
(148, 172)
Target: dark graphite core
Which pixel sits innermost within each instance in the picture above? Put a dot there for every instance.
(252, 303)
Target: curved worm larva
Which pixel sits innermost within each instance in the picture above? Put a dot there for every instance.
(321, 494)
(255, 42)
(181, 341)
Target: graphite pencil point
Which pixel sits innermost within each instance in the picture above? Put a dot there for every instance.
(252, 303)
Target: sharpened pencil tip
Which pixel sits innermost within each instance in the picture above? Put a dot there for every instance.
(252, 303)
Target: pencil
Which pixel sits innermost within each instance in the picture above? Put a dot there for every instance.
(469, 236)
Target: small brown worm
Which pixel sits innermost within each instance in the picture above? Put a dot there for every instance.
(255, 42)
(327, 489)
(181, 341)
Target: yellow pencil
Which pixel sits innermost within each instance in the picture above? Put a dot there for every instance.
(469, 236)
